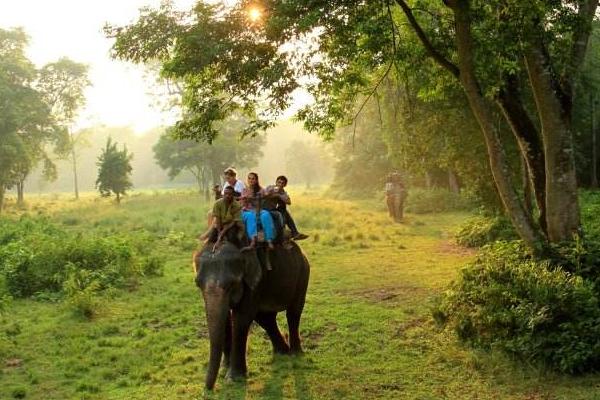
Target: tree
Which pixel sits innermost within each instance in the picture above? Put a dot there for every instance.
(114, 171)
(308, 163)
(63, 83)
(25, 121)
(514, 58)
(207, 161)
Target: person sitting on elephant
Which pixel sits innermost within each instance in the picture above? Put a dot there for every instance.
(252, 212)
(230, 175)
(277, 199)
(227, 219)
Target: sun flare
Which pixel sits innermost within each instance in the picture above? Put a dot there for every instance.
(254, 14)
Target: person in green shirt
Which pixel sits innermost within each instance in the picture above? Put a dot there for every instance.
(227, 216)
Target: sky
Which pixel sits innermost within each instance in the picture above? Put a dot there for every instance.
(120, 92)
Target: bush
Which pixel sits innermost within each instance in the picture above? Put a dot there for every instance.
(81, 289)
(39, 263)
(530, 310)
(36, 257)
(421, 201)
(480, 230)
(590, 209)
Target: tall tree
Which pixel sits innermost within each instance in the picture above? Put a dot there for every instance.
(207, 161)
(306, 162)
(114, 171)
(63, 83)
(512, 58)
(24, 117)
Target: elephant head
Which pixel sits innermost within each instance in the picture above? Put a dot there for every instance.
(223, 276)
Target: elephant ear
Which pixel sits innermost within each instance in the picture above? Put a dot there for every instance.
(252, 270)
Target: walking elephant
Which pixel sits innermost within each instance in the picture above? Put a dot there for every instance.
(237, 291)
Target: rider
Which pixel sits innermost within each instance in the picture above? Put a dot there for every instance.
(251, 209)
(230, 175)
(227, 215)
(277, 199)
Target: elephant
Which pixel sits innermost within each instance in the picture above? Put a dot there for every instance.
(238, 290)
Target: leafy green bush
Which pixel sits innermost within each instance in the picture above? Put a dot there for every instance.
(422, 201)
(81, 288)
(590, 209)
(39, 262)
(480, 230)
(530, 310)
(153, 265)
(36, 257)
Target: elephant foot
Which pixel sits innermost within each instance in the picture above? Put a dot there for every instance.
(235, 376)
(282, 352)
(282, 348)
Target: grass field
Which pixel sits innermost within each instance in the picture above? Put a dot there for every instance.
(367, 330)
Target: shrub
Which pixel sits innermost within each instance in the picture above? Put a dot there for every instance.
(153, 265)
(5, 301)
(590, 209)
(530, 310)
(480, 230)
(81, 288)
(36, 257)
(422, 201)
(39, 263)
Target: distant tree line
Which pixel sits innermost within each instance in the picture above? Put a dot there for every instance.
(36, 112)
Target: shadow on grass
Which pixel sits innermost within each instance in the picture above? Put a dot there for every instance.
(285, 379)
(286, 369)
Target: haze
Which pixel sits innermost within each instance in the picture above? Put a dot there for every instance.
(119, 94)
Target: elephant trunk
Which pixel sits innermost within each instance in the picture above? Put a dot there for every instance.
(217, 308)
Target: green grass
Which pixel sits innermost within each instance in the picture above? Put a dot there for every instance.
(367, 330)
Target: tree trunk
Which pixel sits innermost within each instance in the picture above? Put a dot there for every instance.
(197, 175)
(498, 163)
(526, 184)
(453, 182)
(20, 193)
(2, 192)
(530, 145)
(428, 180)
(74, 159)
(118, 197)
(594, 179)
(562, 209)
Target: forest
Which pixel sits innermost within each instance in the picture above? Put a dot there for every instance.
(486, 285)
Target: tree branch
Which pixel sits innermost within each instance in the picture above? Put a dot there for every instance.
(586, 13)
(433, 52)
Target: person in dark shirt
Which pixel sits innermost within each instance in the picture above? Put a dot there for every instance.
(277, 199)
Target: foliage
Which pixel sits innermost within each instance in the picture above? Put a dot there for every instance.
(306, 162)
(590, 209)
(114, 171)
(362, 164)
(531, 310)
(25, 120)
(208, 161)
(36, 256)
(423, 201)
(484, 229)
(342, 51)
(81, 289)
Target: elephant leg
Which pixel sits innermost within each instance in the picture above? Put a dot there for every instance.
(293, 320)
(237, 360)
(268, 321)
(227, 345)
